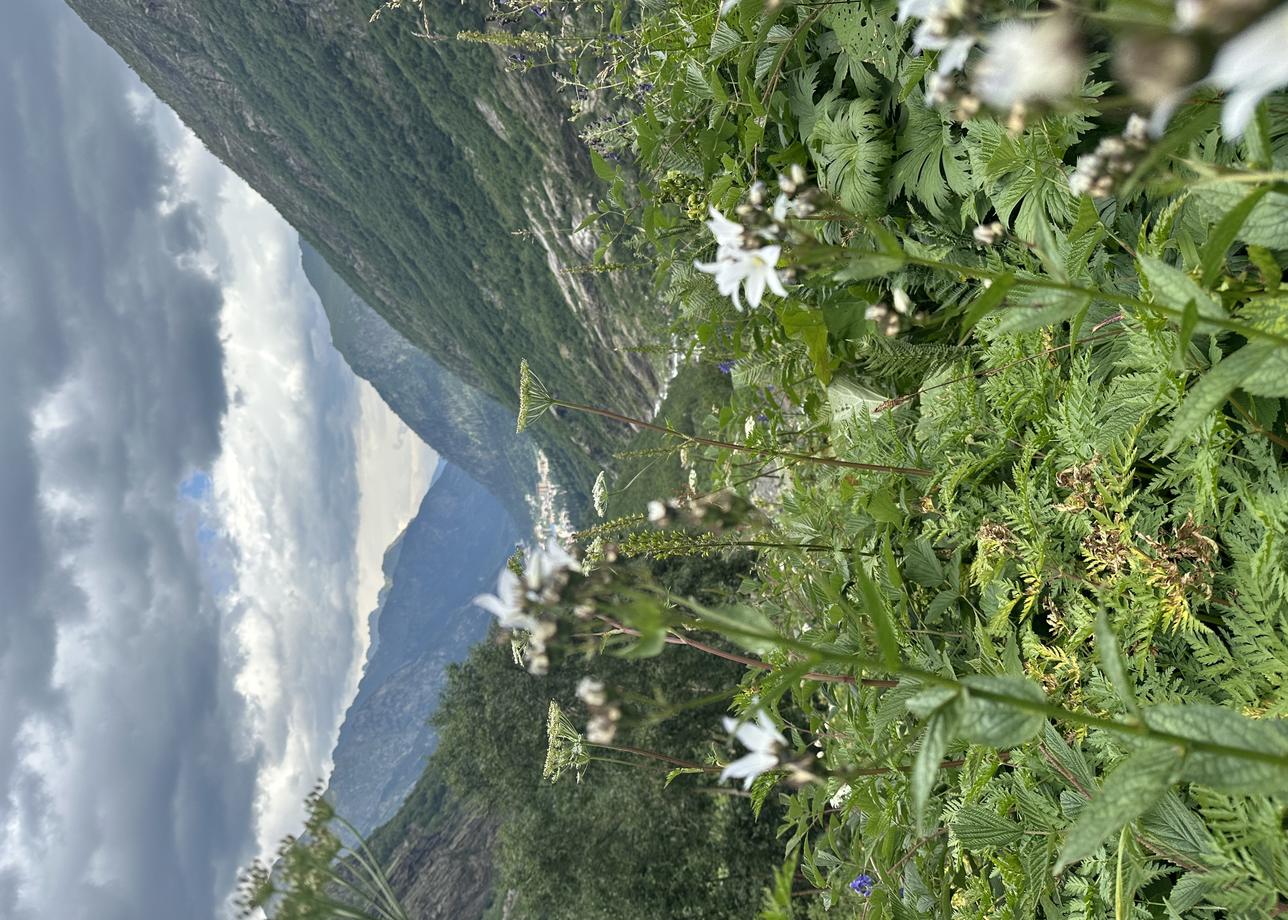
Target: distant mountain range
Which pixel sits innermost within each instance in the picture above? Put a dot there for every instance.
(451, 551)
(443, 188)
(464, 425)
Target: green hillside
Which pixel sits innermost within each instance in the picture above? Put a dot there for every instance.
(441, 187)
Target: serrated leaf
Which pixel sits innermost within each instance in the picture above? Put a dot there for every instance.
(997, 723)
(1223, 235)
(1111, 662)
(1213, 388)
(977, 827)
(922, 565)
(1218, 725)
(934, 743)
(925, 702)
(1068, 761)
(1174, 288)
(875, 606)
(723, 40)
(1129, 791)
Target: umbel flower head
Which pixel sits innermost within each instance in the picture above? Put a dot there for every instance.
(534, 400)
(565, 747)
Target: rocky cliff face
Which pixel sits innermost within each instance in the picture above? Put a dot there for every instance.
(451, 551)
(440, 186)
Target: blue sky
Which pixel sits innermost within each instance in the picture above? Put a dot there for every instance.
(192, 490)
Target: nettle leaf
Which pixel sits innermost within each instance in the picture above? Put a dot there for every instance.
(996, 723)
(922, 565)
(851, 150)
(1224, 233)
(1213, 388)
(1067, 761)
(1265, 225)
(1129, 791)
(1218, 725)
(1026, 179)
(1174, 288)
(934, 744)
(977, 827)
(723, 40)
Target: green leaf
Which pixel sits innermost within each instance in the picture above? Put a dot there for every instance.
(977, 827)
(1212, 390)
(987, 302)
(1111, 662)
(1223, 235)
(866, 265)
(1173, 288)
(875, 606)
(1218, 725)
(1129, 791)
(922, 565)
(602, 167)
(1068, 761)
(852, 150)
(808, 326)
(1266, 225)
(934, 743)
(998, 723)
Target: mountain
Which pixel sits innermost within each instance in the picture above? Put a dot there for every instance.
(441, 186)
(463, 424)
(450, 552)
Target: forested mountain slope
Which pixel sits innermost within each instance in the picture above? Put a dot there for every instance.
(464, 425)
(440, 186)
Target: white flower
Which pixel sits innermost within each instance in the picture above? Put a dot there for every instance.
(762, 740)
(726, 7)
(749, 426)
(727, 233)
(1251, 66)
(508, 603)
(591, 691)
(754, 268)
(513, 594)
(953, 49)
(841, 797)
(902, 303)
(1030, 62)
(736, 265)
(657, 512)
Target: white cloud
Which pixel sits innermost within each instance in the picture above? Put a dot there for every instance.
(173, 670)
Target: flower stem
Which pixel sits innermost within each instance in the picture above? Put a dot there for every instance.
(747, 448)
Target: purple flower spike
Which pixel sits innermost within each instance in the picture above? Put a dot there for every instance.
(862, 885)
(725, 367)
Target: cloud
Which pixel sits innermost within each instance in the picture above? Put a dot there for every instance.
(178, 626)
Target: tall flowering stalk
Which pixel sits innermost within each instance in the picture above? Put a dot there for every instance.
(535, 401)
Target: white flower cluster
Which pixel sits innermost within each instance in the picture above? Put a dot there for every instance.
(1114, 158)
(747, 253)
(601, 728)
(545, 572)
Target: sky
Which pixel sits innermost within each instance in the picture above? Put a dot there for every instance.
(195, 496)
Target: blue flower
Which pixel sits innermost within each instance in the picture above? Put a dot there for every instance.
(725, 367)
(862, 885)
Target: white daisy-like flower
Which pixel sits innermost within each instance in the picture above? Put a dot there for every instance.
(1030, 62)
(1249, 67)
(763, 742)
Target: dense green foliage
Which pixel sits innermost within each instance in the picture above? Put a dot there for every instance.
(622, 844)
(1015, 642)
(1074, 594)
